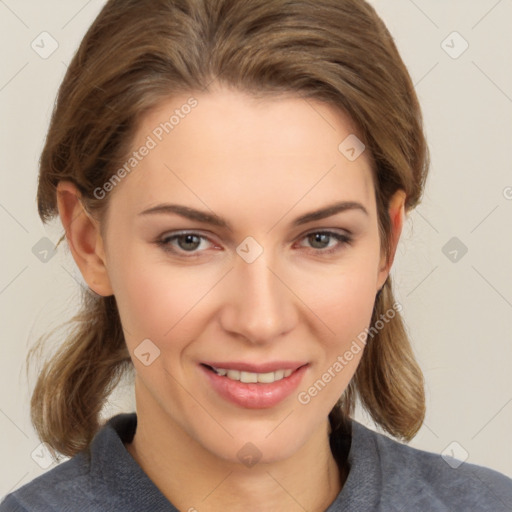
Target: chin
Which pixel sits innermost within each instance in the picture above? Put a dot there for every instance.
(255, 440)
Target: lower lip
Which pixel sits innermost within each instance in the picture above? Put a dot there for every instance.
(252, 395)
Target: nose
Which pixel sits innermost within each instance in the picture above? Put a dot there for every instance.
(261, 305)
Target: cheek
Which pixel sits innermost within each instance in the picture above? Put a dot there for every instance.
(343, 294)
(153, 297)
(348, 313)
(343, 300)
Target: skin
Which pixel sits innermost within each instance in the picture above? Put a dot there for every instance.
(260, 164)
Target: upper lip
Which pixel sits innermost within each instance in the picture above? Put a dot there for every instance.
(268, 367)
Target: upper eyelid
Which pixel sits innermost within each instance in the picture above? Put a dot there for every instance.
(334, 231)
(169, 234)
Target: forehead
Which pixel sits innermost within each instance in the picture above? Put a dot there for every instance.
(232, 150)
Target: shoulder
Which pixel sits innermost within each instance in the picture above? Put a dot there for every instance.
(422, 479)
(80, 483)
(62, 486)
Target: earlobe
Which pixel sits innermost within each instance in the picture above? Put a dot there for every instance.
(396, 212)
(84, 238)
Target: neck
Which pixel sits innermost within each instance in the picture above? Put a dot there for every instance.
(192, 478)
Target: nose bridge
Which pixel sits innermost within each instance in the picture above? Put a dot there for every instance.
(261, 306)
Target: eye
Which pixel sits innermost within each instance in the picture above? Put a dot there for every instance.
(320, 241)
(190, 244)
(185, 242)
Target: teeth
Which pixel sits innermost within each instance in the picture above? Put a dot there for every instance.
(279, 375)
(266, 378)
(250, 377)
(232, 374)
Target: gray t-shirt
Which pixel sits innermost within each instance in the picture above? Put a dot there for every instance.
(384, 476)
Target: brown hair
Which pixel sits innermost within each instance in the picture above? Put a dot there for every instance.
(139, 52)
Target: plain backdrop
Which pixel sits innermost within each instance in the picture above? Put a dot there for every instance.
(453, 272)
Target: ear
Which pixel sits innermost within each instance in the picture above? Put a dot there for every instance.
(84, 238)
(396, 212)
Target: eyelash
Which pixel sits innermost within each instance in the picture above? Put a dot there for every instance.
(165, 242)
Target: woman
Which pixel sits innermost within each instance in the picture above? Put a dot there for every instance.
(232, 178)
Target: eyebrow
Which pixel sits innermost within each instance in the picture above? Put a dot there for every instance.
(215, 220)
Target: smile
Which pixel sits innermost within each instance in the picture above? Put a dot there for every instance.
(254, 386)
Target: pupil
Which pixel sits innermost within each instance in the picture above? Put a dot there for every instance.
(189, 243)
(321, 238)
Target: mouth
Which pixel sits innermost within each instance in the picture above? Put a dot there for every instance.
(254, 386)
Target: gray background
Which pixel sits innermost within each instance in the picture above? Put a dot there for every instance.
(457, 304)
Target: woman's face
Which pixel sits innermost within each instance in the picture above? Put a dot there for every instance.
(254, 280)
